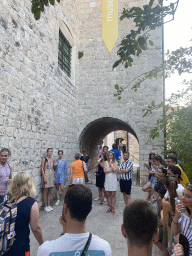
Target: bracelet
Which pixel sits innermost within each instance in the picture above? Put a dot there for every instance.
(175, 222)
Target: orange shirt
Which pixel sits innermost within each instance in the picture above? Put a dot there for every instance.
(77, 167)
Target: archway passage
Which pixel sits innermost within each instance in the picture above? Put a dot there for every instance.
(97, 130)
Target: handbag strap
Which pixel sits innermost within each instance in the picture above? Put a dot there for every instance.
(87, 245)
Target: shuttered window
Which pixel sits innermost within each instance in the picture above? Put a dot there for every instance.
(64, 56)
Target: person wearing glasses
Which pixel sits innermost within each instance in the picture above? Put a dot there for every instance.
(182, 223)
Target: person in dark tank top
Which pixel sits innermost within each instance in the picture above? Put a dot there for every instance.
(22, 191)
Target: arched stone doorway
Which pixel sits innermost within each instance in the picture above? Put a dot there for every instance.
(97, 130)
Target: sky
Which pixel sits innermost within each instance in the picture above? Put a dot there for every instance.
(178, 33)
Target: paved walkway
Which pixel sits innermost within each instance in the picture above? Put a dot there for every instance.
(105, 225)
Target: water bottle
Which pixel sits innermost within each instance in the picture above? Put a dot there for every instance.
(5, 182)
(177, 201)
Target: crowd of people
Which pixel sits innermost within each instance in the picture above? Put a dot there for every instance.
(168, 208)
(108, 167)
(170, 192)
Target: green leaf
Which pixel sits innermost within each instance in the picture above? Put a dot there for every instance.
(80, 55)
(37, 15)
(117, 87)
(52, 2)
(151, 42)
(119, 98)
(116, 63)
(126, 64)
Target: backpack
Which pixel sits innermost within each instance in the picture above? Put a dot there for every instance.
(8, 214)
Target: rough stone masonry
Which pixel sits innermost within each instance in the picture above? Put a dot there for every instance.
(41, 107)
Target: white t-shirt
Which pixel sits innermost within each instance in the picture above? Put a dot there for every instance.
(179, 191)
(73, 244)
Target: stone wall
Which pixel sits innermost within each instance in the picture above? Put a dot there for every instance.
(96, 81)
(38, 101)
(41, 107)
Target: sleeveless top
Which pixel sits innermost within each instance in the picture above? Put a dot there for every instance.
(21, 243)
(110, 180)
(100, 170)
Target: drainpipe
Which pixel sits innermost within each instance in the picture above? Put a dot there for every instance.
(164, 114)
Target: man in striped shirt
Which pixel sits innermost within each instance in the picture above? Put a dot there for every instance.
(126, 169)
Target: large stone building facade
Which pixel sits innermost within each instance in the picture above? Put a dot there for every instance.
(41, 107)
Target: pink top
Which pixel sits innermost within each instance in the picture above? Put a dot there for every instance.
(5, 173)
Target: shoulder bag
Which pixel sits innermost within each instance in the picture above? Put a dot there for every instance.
(87, 245)
(85, 174)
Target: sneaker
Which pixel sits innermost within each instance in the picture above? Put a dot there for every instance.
(96, 199)
(46, 209)
(50, 208)
(57, 203)
(105, 199)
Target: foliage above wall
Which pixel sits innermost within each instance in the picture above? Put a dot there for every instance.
(38, 6)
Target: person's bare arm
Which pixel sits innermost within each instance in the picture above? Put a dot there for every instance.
(55, 163)
(114, 167)
(70, 176)
(105, 168)
(42, 170)
(175, 226)
(85, 168)
(9, 181)
(96, 165)
(34, 223)
(124, 170)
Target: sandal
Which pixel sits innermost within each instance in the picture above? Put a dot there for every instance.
(113, 211)
(108, 210)
(101, 202)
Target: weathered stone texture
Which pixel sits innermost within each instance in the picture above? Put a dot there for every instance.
(41, 107)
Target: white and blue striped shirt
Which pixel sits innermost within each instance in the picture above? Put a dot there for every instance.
(125, 165)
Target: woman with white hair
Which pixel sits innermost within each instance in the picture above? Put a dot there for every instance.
(77, 171)
(22, 191)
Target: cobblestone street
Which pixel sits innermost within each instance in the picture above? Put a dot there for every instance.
(105, 225)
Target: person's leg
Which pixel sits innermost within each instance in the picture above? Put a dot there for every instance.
(127, 193)
(45, 192)
(127, 198)
(105, 194)
(49, 196)
(100, 194)
(113, 201)
(109, 200)
(147, 187)
(57, 190)
(62, 189)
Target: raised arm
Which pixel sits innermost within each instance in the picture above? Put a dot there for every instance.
(105, 168)
(114, 167)
(96, 165)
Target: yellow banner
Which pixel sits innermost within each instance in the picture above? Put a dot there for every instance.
(110, 23)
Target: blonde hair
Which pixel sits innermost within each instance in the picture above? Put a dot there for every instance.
(22, 185)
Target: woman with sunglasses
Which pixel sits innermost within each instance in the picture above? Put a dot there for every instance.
(182, 222)
(110, 169)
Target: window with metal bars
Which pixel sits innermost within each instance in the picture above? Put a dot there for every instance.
(64, 56)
